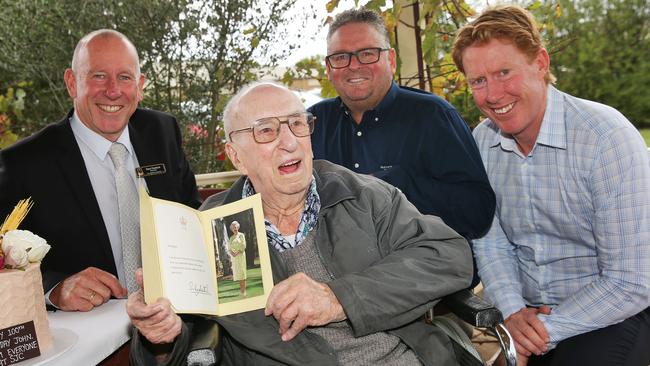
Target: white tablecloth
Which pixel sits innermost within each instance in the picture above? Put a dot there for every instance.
(85, 338)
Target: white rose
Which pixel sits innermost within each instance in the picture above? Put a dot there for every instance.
(30, 243)
(16, 257)
(37, 253)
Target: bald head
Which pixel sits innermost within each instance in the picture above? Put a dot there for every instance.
(256, 101)
(105, 82)
(280, 167)
(80, 50)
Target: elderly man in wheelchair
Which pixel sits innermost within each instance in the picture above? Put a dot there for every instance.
(355, 265)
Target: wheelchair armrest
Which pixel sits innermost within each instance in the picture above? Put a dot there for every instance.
(480, 313)
(204, 346)
(473, 309)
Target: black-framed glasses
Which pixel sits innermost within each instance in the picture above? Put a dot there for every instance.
(267, 129)
(365, 56)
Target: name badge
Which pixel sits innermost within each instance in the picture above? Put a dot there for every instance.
(149, 170)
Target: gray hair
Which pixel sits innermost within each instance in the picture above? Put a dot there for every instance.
(234, 223)
(232, 110)
(367, 16)
(102, 33)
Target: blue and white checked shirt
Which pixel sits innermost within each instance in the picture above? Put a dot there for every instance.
(572, 224)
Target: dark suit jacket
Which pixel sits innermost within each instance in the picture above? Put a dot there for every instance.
(48, 166)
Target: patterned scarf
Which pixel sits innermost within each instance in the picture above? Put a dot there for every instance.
(307, 220)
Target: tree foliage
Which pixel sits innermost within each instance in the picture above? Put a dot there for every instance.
(12, 103)
(308, 68)
(194, 54)
(600, 50)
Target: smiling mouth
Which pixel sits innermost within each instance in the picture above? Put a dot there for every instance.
(109, 108)
(356, 80)
(289, 166)
(504, 110)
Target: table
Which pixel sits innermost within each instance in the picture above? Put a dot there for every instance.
(85, 338)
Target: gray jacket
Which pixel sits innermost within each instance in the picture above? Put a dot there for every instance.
(390, 265)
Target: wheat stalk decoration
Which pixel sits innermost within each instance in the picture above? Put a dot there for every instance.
(17, 215)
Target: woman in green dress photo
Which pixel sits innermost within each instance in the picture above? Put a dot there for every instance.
(237, 250)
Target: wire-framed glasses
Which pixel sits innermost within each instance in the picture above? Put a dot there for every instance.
(267, 129)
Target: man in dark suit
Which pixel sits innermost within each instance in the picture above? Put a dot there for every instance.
(67, 170)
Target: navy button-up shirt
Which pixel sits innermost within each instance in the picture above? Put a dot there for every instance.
(417, 142)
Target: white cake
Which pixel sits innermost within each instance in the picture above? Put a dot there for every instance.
(22, 300)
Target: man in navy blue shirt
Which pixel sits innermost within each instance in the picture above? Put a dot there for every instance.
(412, 139)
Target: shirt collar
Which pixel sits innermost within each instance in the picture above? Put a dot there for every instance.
(388, 100)
(308, 219)
(95, 142)
(552, 132)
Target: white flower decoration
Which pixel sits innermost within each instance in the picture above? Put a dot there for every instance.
(16, 258)
(22, 247)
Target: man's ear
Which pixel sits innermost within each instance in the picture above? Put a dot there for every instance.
(140, 88)
(328, 70)
(233, 155)
(70, 83)
(543, 61)
(392, 60)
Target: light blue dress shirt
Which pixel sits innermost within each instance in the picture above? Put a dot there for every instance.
(94, 150)
(572, 223)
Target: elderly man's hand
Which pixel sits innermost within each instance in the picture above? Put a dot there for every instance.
(299, 302)
(528, 331)
(521, 360)
(157, 322)
(85, 290)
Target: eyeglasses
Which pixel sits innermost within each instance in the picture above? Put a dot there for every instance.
(267, 129)
(365, 56)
